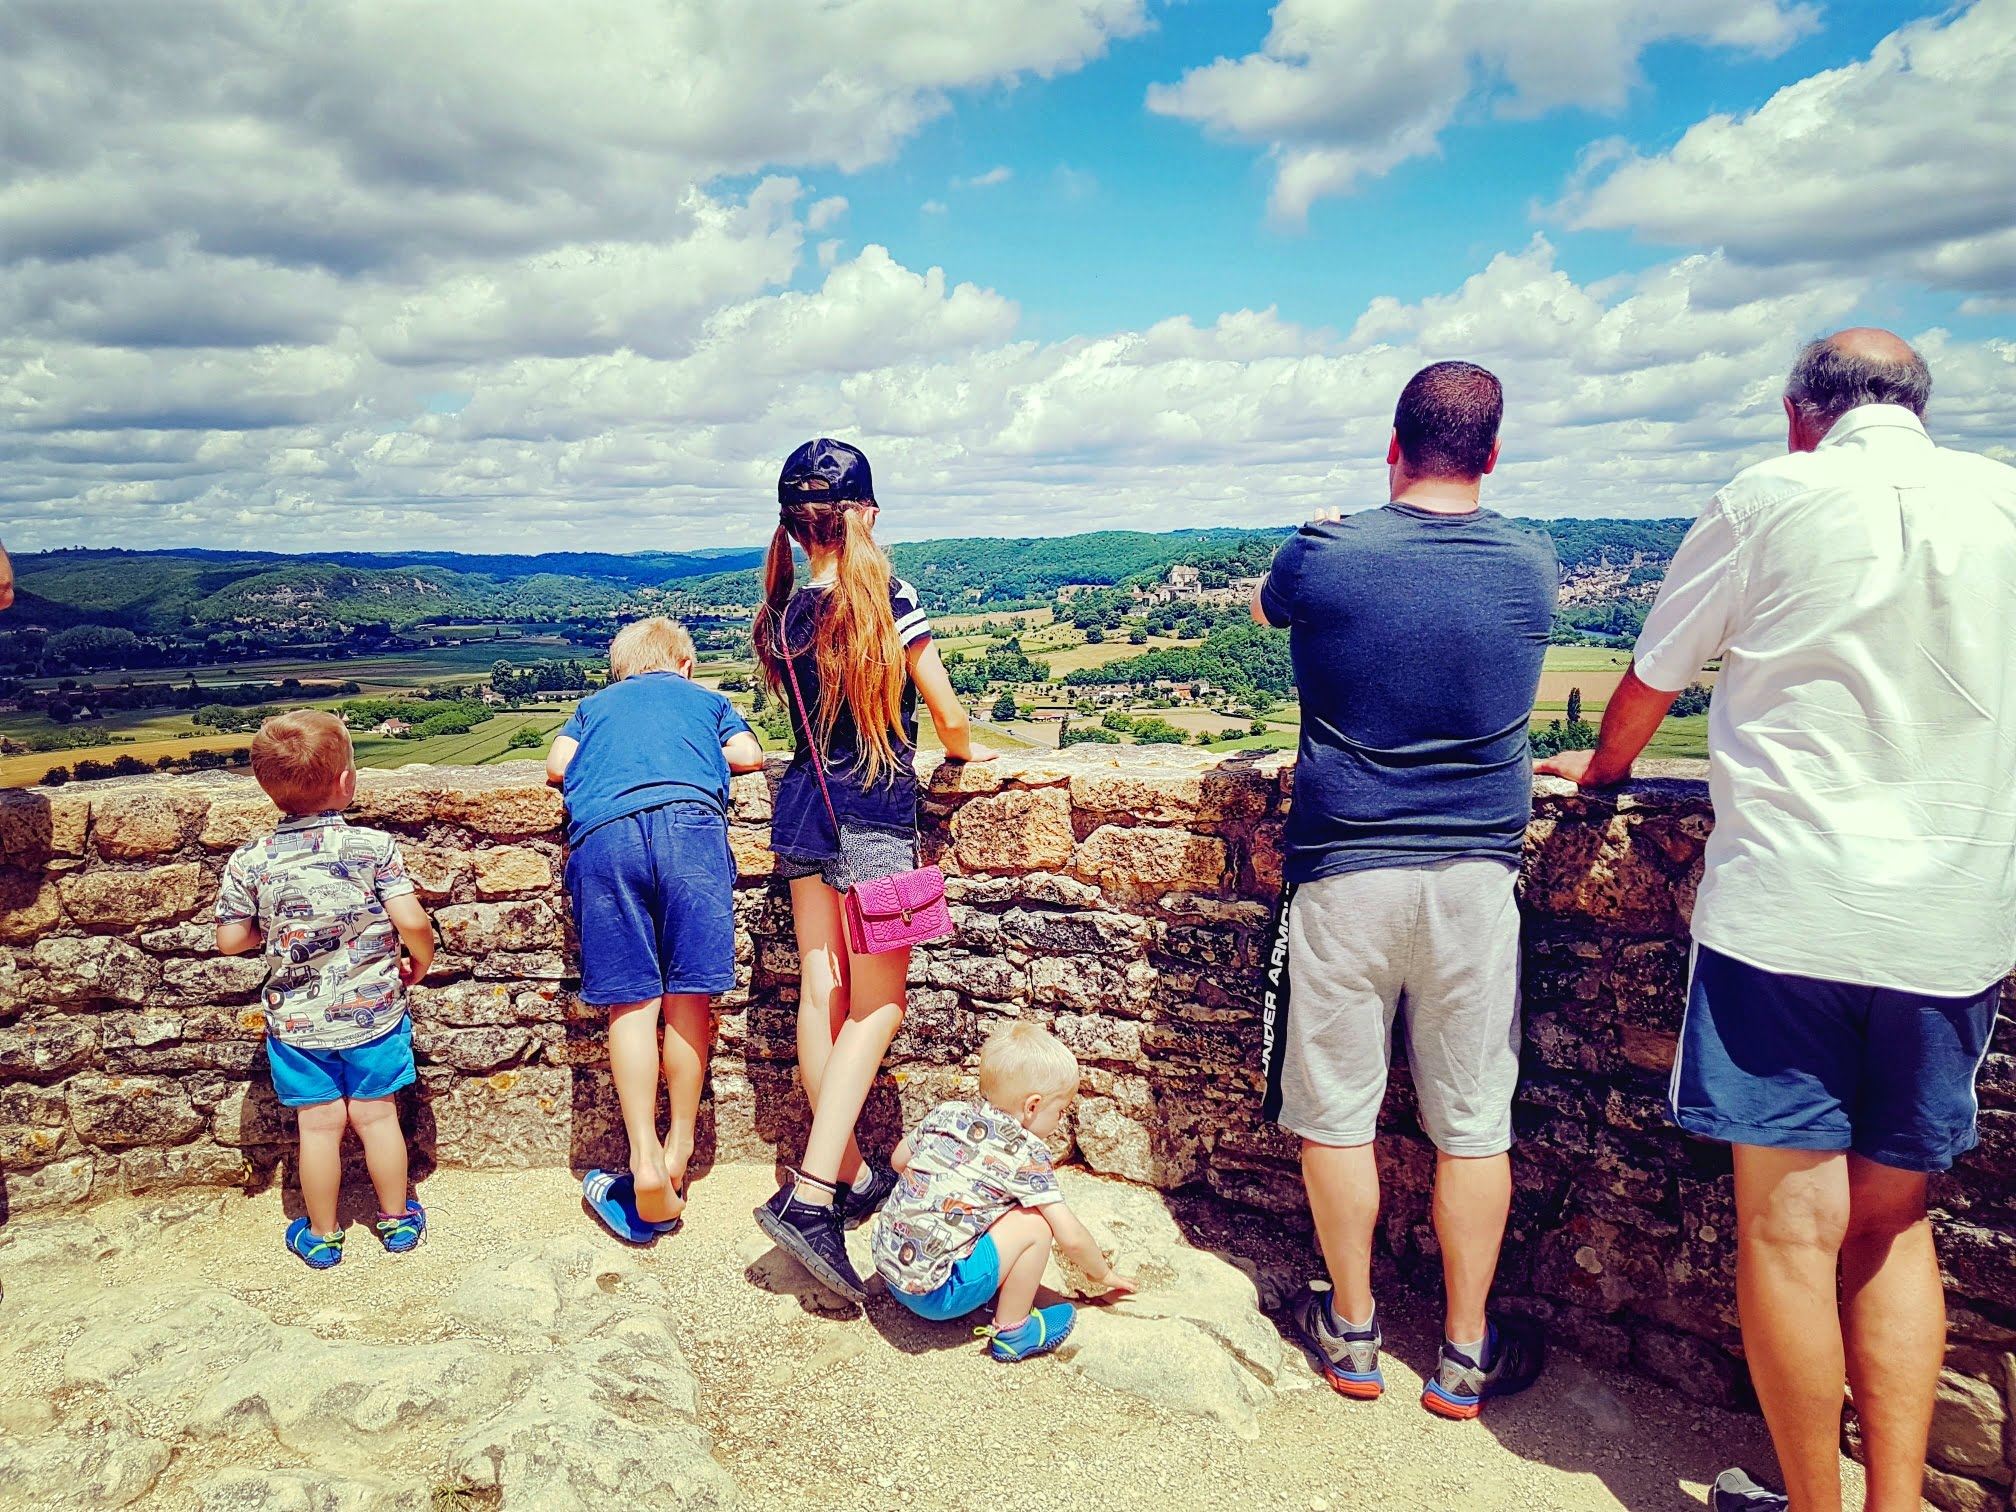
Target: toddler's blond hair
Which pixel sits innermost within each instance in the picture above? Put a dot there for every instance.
(298, 759)
(656, 644)
(1019, 1059)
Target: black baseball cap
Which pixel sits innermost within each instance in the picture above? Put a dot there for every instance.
(826, 469)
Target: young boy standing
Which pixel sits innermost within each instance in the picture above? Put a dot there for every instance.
(330, 903)
(978, 1206)
(644, 766)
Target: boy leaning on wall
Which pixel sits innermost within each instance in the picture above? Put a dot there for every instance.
(644, 766)
(330, 904)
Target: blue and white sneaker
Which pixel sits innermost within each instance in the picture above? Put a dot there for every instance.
(1348, 1360)
(401, 1232)
(316, 1251)
(1042, 1331)
(1734, 1491)
(1514, 1356)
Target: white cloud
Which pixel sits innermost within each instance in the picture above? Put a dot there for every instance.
(987, 180)
(933, 207)
(1342, 91)
(1899, 163)
(825, 213)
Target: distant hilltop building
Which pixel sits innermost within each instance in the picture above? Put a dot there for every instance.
(391, 727)
(1185, 583)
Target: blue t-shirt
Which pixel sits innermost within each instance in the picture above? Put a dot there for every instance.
(647, 741)
(1417, 640)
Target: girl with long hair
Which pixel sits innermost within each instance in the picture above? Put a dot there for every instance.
(860, 650)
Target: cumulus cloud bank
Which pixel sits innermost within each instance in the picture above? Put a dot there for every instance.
(368, 276)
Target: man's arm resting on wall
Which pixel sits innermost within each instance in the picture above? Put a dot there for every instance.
(1630, 720)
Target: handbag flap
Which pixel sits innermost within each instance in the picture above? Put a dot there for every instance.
(908, 892)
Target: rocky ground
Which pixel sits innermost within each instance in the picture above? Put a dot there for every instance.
(168, 1354)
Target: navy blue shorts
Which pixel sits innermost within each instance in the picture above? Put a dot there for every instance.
(1797, 1063)
(376, 1068)
(654, 903)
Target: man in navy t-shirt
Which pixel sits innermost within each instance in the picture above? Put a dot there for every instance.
(644, 766)
(1417, 633)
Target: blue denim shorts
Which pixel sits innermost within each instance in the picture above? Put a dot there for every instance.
(378, 1068)
(1798, 1063)
(654, 903)
(976, 1276)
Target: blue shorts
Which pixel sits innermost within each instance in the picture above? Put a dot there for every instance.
(654, 903)
(976, 1276)
(377, 1068)
(1798, 1063)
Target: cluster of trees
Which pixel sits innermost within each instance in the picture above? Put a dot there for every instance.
(1005, 662)
(1615, 623)
(1243, 659)
(70, 698)
(132, 766)
(428, 717)
(514, 681)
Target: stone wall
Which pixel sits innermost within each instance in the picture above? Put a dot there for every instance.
(1116, 896)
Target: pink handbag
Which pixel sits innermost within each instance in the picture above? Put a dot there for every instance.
(884, 913)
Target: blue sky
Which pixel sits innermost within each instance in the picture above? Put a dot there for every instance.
(584, 274)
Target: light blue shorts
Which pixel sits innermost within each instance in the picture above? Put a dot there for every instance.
(377, 1068)
(976, 1276)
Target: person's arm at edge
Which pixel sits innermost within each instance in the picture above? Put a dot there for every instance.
(1630, 720)
(743, 752)
(239, 937)
(6, 580)
(562, 752)
(1082, 1249)
(948, 714)
(899, 1158)
(416, 933)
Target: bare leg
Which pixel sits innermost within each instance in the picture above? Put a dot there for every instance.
(321, 1165)
(823, 993)
(875, 996)
(1022, 1242)
(376, 1120)
(633, 1065)
(1343, 1187)
(1791, 1219)
(689, 1033)
(1473, 1198)
(1894, 1317)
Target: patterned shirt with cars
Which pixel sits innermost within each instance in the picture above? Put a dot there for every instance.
(317, 889)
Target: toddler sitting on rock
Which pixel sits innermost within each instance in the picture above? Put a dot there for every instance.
(644, 767)
(977, 1206)
(330, 903)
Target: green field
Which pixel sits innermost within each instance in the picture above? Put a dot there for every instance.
(486, 744)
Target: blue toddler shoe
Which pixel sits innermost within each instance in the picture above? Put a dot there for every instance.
(402, 1233)
(316, 1251)
(1042, 1331)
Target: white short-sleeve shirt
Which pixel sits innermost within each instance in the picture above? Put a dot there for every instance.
(1862, 739)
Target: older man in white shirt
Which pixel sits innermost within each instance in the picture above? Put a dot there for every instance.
(1857, 912)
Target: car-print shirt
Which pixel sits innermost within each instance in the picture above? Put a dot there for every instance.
(317, 889)
(969, 1164)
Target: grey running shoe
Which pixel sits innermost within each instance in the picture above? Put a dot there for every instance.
(1348, 1361)
(1736, 1492)
(1517, 1353)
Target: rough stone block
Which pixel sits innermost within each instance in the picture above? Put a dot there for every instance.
(751, 850)
(510, 1119)
(215, 979)
(45, 1049)
(477, 928)
(36, 825)
(200, 1163)
(250, 1114)
(478, 1050)
(436, 870)
(235, 818)
(34, 1127)
(132, 899)
(1014, 831)
(114, 1112)
(140, 823)
(29, 908)
(507, 870)
(1969, 1422)
(97, 966)
(61, 1183)
(1150, 862)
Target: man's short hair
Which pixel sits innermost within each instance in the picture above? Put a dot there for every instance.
(1447, 420)
(656, 644)
(299, 757)
(1827, 382)
(1021, 1058)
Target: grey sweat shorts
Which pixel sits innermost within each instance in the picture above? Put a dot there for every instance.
(1440, 942)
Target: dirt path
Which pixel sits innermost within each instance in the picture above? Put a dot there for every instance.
(813, 1410)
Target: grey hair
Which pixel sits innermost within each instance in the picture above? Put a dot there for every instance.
(1827, 382)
